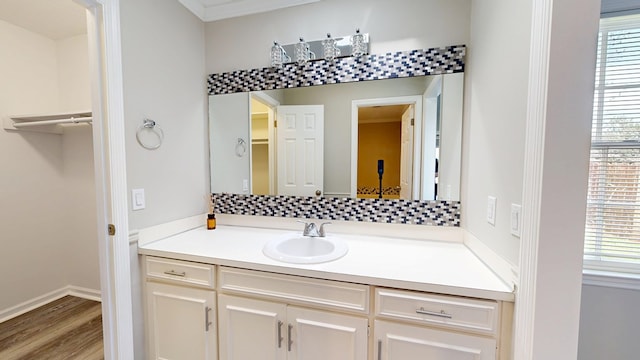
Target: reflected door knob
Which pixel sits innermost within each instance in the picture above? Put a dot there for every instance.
(318, 192)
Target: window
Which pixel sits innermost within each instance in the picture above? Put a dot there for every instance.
(612, 233)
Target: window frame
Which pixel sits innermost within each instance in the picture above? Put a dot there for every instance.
(597, 271)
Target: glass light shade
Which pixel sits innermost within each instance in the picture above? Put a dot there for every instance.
(330, 48)
(302, 52)
(278, 55)
(358, 46)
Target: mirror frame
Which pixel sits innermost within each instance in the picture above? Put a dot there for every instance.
(434, 61)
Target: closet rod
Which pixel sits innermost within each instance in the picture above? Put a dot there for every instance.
(18, 125)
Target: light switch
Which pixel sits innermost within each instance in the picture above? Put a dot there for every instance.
(245, 185)
(137, 199)
(516, 219)
(491, 210)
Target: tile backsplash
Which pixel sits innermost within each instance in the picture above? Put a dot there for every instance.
(445, 60)
(418, 212)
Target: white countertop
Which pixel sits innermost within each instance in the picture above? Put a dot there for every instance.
(433, 266)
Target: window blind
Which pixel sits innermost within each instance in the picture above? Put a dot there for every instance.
(612, 232)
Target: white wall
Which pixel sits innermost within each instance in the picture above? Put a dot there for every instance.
(228, 170)
(48, 200)
(244, 43)
(494, 119)
(73, 73)
(77, 146)
(164, 80)
(449, 166)
(609, 323)
(31, 184)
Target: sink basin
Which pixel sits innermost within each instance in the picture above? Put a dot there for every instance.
(300, 249)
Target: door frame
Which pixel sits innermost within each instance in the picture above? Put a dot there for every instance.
(103, 32)
(416, 101)
(272, 104)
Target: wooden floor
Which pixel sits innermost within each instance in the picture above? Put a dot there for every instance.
(68, 328)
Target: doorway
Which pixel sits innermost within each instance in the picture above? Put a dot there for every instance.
(104, 91)
(385, 147)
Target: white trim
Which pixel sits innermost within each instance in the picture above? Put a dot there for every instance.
(416, 100)
(505, 270)
(524, 314)
(103, 28)
(196, 7)
(248, 7)
(237, 8)
(85, 293)
(157, 232)
(611, 279)
(44, 299)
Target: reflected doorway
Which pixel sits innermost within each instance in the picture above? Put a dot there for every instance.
(385, 151)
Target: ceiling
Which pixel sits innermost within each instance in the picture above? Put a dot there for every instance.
(55, 19)
(59, 19)
(373, 114)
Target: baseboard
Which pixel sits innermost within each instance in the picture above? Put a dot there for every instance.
(501, 267)
(85, 293)
(41, 300)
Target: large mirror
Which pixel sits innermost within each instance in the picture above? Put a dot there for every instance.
(396, 138)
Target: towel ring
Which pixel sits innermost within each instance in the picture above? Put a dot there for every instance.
(153, 142)
(241, 147)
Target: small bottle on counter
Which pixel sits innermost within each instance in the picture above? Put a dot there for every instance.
(211, 217)
(211, 221)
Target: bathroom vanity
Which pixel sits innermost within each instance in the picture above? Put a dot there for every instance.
(216, 295)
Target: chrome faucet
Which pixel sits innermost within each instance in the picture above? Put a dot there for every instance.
(312, 230)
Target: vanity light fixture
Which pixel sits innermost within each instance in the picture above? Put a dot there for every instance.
(330, 48)
(278, 55)
(358, 45)
(303, 53)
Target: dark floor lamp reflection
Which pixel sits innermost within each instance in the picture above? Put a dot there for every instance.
(380, 172)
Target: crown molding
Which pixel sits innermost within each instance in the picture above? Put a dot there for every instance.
(212, 12)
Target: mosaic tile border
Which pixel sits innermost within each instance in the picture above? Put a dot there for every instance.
(374, 190)
(434, 61)
(418, 212)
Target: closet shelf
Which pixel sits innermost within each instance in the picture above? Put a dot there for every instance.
(46, 123)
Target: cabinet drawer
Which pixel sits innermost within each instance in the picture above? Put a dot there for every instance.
(180, 271)
(453, 312)
(296, 289)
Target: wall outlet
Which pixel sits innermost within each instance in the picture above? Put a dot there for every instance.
(137, 199)
(245, 185)
(491, 210)
(516, 219)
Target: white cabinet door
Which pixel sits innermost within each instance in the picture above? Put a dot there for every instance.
(255, 329)
(181, 322)
(321, 335)
(251, 329)
(407, 342)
